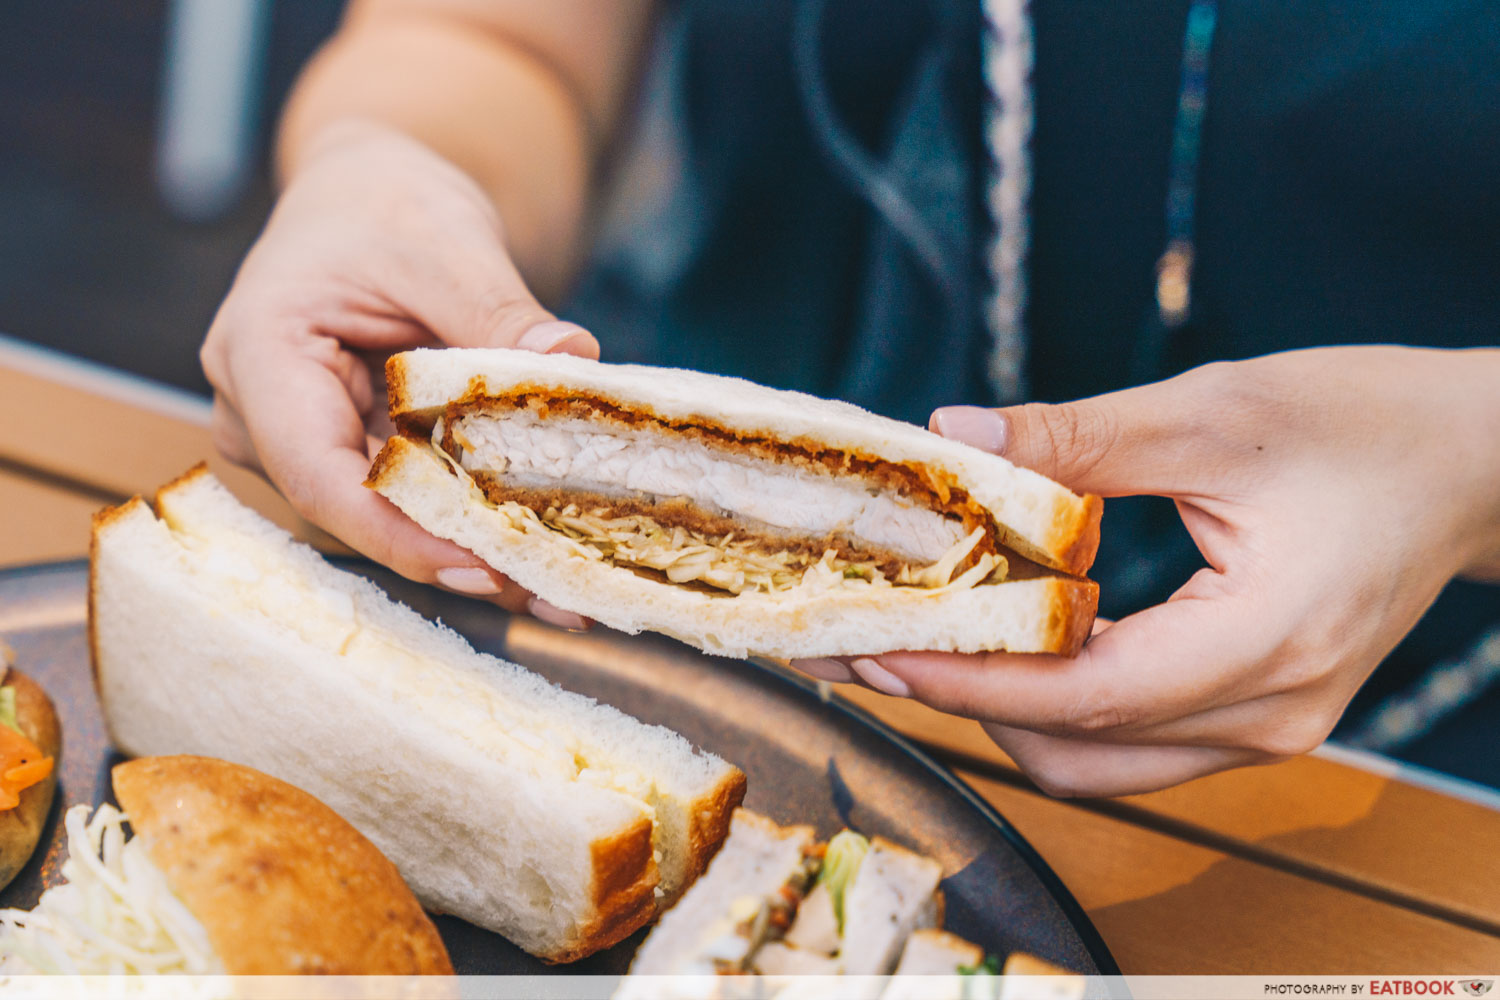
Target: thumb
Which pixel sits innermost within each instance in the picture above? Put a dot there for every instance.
(480, 300)
(1124, 443)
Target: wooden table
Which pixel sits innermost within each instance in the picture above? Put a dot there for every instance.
(1336, 863)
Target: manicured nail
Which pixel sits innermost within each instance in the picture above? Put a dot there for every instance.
(880, 678)
(553, 615)
(973, 425)
(824, 670)
(468, 580)
(549, 337)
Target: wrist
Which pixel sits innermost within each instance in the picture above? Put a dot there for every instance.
(335, 137)
(1475, 454)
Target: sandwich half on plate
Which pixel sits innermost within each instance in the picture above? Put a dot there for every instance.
(739, 519)
(936, 965)
(778, 913)
(229, 872)
(777, 902)
(528, 810)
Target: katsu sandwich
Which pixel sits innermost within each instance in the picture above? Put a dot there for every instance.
(737, 518)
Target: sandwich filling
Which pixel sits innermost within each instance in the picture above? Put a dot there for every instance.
(798, 928)
(730, 944)
(114, 915)
(22, 763)
(707, 507)
(838, 910)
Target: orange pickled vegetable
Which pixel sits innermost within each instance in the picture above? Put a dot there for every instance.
(30, 773)
(22, 764)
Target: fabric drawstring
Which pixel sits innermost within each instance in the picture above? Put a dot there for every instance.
(864, 174)
(1408, 715)
(1008, 120)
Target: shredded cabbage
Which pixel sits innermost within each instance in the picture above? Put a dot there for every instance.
(8, 708)
(725, 563)
(736, 566)
(940, 573)
(686, 556)
(114, 915)
(846, 852)
(7, 692)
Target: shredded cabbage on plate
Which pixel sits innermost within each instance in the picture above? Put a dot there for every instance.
(114, 915)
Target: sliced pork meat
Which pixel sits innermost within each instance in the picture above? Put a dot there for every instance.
(646, 464)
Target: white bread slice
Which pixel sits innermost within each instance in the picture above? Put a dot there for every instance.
(1026, 977)
(281, 884)
(758, 858)
(1038, 518)
(503, 799)
(894, 893)
(931, 952)
(776, 958)
(929, 966)
(1040, 614)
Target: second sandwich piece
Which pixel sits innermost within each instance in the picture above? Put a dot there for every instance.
(534, 812)
(776, 902)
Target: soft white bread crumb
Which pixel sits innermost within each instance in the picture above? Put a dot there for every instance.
(893, 893)
(929, 966)
(931, 952)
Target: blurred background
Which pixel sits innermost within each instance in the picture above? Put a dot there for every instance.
(134, 140)
(134, 149)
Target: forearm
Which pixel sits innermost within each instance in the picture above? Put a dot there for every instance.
(504, 94)
(1477, 454)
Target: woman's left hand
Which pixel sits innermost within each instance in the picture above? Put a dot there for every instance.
(1333, 492)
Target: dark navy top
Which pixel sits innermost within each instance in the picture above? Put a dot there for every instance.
(814, 216)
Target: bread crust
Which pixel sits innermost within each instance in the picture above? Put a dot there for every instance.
(1074, 535)
(711, 818)
(100, 523)
(21, 826)
(625, 877)
(186, 479)
(624, 892)
(282, 884)
(1072, 605)
(805, 831)
(933, 942)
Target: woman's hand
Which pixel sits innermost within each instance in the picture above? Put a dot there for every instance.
(377, 245)
(1333, 493)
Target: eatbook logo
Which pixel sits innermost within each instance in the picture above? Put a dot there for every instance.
(1477, 987)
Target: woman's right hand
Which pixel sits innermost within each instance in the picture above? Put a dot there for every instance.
(377, 245)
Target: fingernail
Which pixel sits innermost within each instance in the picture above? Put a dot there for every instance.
(553, 615)
(548, 337)
(468, 580)
(824, 670)
(880, 678)
(973, 425)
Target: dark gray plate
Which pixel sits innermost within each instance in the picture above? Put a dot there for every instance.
(807, 760)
